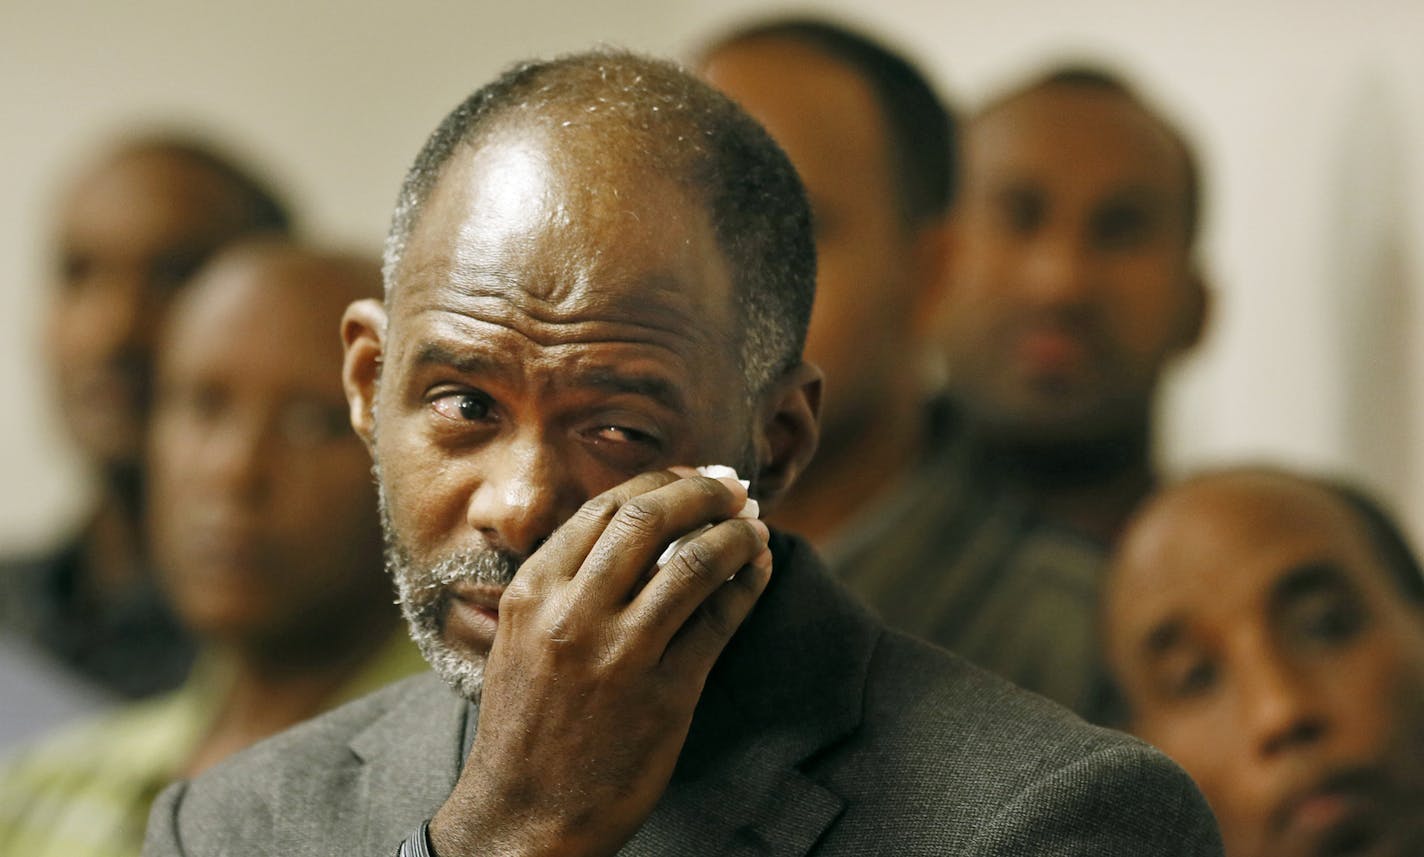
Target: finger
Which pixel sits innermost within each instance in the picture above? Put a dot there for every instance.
(569, 545)
(644, 525)
(700, 641)
(699, 568)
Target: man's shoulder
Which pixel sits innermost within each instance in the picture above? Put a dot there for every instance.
(303, 779)
(851, 738)
(951, 757)
(978, 572)
(920, 692)
(319, 744)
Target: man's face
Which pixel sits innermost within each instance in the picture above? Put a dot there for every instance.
(264, 517)
(1260, 643)
(560, 323)
(129, 235)
(1073, 283)
(871, 277)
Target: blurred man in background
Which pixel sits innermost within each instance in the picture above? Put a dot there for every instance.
(874, 145)
(133, 227)
(1267, 631)
(267, 537)
(1072, 285)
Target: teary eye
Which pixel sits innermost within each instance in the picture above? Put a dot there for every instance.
(622, 447)
(623, 434)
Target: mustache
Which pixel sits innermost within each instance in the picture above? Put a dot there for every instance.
(485, 566)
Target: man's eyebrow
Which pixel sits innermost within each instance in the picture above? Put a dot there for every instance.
(465, 362)
(611, 380)
(1306, 579)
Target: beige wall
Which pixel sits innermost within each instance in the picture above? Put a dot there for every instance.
(1307, 113)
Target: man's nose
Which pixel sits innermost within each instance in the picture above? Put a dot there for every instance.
(1282, 710)
(1059, 268)
(239, 460)
(522, 497)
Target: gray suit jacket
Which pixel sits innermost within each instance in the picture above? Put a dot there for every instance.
(819, 732)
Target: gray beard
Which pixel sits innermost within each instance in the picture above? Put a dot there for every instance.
(424, 598)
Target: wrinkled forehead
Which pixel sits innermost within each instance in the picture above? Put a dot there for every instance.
(560, 216)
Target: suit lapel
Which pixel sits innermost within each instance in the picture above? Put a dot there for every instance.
(789, 686)
(409, 760)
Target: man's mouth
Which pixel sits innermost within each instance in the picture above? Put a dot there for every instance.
(1052, 350)
(1338, 814)
(474, 613)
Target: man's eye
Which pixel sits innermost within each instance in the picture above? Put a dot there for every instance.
(174, 269)
(1121, 227)
(1189, 679)
(470, 407)
(1022, 211)
(623, 434)
(75, 269)
(1328, 620)
(312, 424)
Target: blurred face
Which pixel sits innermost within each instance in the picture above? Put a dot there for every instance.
(1073, 283)
(129, 236)
(561, 323)
(870, 278)
(1259, 642)
(265, 520)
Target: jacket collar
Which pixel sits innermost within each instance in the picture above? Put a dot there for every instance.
(410, 758)
(790, 685)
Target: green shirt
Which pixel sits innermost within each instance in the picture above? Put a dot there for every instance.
(86, 791)
(959, 561)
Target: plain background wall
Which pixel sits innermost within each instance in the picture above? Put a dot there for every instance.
(1307, 114)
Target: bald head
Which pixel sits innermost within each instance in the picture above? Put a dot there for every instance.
(640, 119)
(264, 516)
(1264, 630)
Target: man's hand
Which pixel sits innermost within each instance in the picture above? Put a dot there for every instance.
(596, 668)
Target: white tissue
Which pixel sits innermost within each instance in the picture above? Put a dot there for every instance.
(749, 510)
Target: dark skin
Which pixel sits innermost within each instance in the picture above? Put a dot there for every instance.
(878, 276)
(131, 231)
(264, 522)
(560, 347)
(1258, 640)
(1072, 288)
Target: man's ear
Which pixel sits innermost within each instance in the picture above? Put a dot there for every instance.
(932, 250)
(363, 333)
(788, 428)
(1196, 312)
